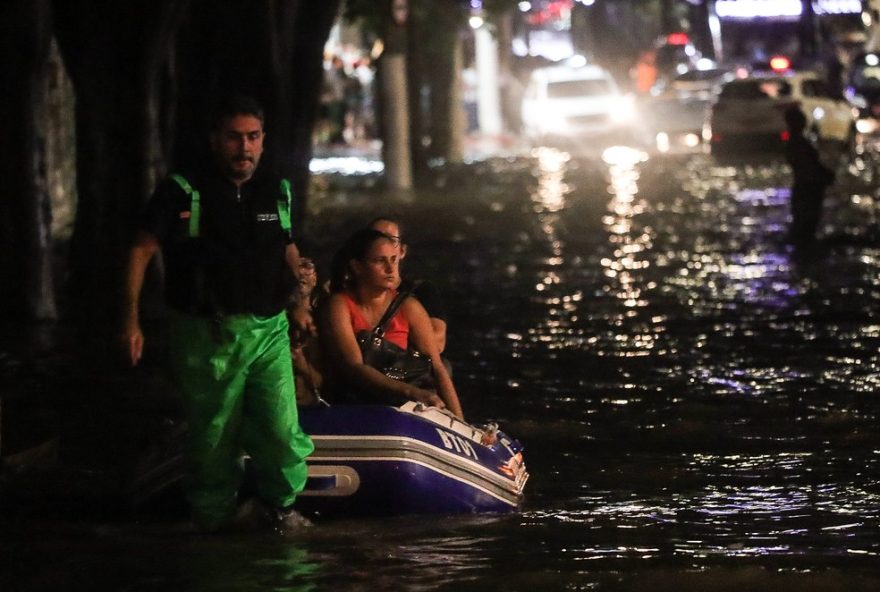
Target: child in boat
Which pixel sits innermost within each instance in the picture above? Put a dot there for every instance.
(364, 282)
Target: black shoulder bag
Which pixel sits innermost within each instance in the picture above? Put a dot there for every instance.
(406, 365)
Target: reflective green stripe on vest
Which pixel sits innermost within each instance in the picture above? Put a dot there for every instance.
(284, 205)
(195, 205)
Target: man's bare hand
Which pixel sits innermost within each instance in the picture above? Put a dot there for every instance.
(133, 342)
(303, 321)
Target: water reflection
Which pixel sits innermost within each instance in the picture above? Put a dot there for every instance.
(557, 329)
(625, 268)
(691, 396)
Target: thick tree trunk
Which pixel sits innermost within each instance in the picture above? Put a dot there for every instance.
(395, 110)
(25, 234)
(306, 69)
(395, 121)
(420, 70)
(115, 52)
(446, 116)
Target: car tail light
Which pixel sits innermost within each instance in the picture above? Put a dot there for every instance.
(677, 39)
(780, 63)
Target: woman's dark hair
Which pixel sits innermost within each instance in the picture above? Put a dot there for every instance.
(356, 247)
(392, 219)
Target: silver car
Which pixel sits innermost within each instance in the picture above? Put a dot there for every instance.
(748, 112)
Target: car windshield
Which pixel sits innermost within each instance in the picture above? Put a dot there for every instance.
(700, 75)
(567, 89)
(757, 89)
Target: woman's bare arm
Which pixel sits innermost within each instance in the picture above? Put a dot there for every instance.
(339, 337)
(421, 337)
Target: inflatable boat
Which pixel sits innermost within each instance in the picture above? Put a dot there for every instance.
(373, 460)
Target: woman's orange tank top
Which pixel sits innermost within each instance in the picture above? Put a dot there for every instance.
(396, 330)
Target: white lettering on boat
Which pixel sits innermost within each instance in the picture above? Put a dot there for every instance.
(457, 443)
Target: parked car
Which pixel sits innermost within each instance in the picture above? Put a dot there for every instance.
(675, 54)
(863, 89)
(748, 113)
(673, 125)
(695, 84)
(563, 102)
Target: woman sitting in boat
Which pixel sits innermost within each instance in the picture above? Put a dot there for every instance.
(363, 286)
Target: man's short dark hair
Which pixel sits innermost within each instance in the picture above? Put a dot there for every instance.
(237, 105)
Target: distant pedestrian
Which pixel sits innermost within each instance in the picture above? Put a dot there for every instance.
(811, 178)
(645, 72)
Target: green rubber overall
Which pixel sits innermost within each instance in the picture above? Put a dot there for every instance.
(237, 379)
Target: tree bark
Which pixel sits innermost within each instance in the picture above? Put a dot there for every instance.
(306, 70)
(444, 57)
(25, 210)
(115, 52)
(395, 109)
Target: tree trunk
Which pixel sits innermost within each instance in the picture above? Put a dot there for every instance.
(446, 115)
(306, 69)
(418, 85)
(115, 52)
(395, 111)
(25, 210)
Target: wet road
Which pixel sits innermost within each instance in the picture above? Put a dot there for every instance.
(697, 400)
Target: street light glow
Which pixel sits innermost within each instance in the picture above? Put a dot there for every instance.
(782, 8)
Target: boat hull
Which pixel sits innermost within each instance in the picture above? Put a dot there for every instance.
(378, 460)
(375, 460)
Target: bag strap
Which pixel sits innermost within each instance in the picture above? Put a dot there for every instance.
(406, 288)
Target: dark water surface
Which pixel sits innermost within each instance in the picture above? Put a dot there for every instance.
(698, 402)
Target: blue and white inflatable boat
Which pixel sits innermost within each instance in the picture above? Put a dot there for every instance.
(374, 460)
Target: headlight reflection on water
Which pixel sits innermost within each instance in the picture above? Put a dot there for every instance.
(629, 244)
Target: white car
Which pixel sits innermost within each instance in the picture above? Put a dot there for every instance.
(748, 112)
(575, 103)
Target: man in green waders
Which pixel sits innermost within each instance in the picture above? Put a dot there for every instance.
(230, 261)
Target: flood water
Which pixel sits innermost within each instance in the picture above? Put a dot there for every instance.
(698, 402)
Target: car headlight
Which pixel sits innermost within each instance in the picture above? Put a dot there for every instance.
(552, 121)
(622, 111)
